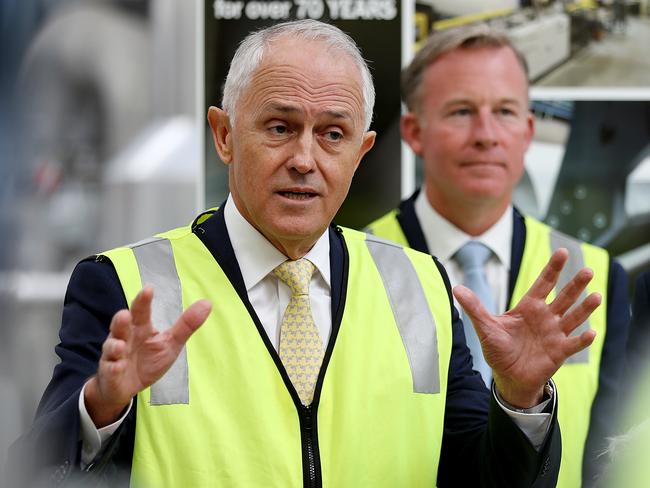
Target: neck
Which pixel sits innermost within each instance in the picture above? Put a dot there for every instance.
(293, 250)
(294, 247)
(472, 217)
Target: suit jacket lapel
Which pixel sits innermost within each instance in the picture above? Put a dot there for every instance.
(411, 226)
(516, 250)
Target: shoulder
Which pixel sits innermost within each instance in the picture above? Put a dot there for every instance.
(375, 242)
(536, 229)
(386, 220)
(391, 256)
(95, 281)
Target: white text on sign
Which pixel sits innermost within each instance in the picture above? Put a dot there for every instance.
(306, 9)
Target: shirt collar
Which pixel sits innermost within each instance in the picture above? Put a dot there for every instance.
(444, 238)
(257, 257)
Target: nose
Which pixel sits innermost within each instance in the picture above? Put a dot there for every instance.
(484, 130)
(303, 159)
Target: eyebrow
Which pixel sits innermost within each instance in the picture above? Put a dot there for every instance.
(467, 101)
(291, 109)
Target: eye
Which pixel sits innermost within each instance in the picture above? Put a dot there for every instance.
(461, 112)
(333, 135)
(506, 111)
(278, 130)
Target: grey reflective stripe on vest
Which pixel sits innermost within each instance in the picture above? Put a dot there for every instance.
(411, 311)
(574, 264)
(155, 260)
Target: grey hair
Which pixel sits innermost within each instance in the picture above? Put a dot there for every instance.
(471, 36)
(251, 51)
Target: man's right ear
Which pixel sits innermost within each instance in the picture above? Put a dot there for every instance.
(221, 133)
(411, 132)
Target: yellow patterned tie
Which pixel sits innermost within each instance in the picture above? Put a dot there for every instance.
(301, 348)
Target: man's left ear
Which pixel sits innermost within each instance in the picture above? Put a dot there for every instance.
(221, 133)
(366, 145)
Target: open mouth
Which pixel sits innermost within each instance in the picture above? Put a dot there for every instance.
(297, 195)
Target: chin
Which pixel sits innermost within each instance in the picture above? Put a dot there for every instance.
(299, 228)
(486, 189)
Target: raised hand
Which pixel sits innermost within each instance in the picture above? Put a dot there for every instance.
(135, 355)
(528, 344)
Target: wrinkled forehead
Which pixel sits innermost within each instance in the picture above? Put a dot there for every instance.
(309, 69)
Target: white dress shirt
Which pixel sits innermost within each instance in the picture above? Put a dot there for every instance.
(257, 258)
(269, 296)
(443, 240)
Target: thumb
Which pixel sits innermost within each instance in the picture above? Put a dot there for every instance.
(473, 307)
(190, 320)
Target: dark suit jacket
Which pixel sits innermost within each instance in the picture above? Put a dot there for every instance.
(638, 345)
(475, 451)
(605, 404)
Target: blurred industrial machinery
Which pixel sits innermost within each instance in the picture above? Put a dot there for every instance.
(106, 153)
(548, 32)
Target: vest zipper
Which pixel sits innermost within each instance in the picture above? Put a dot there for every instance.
(311, 466)
(310, 460)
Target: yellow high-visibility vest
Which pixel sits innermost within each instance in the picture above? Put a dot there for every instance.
(224, 416)
(577, 379)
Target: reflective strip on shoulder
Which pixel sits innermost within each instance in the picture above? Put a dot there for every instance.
(411, 310)
(574, 264)
(157, 268)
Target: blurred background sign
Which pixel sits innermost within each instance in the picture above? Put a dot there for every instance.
(377, 28)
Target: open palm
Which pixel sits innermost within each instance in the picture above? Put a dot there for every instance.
(528, 344)
(135, 355)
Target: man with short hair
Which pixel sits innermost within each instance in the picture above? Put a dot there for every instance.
(324, 357)
(468, 118)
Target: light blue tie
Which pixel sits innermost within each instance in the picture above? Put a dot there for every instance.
(472, 258)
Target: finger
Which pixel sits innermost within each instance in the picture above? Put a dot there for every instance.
(547, 279)
(577, 343)
(121, 325)
(571, 291)
(111, 367)
(113, 349)
(190, 320)
(109, 373)
(473, 307)
(580, 313)
(141, 306)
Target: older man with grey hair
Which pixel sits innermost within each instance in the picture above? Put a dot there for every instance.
(468, 119)
(281, 350)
